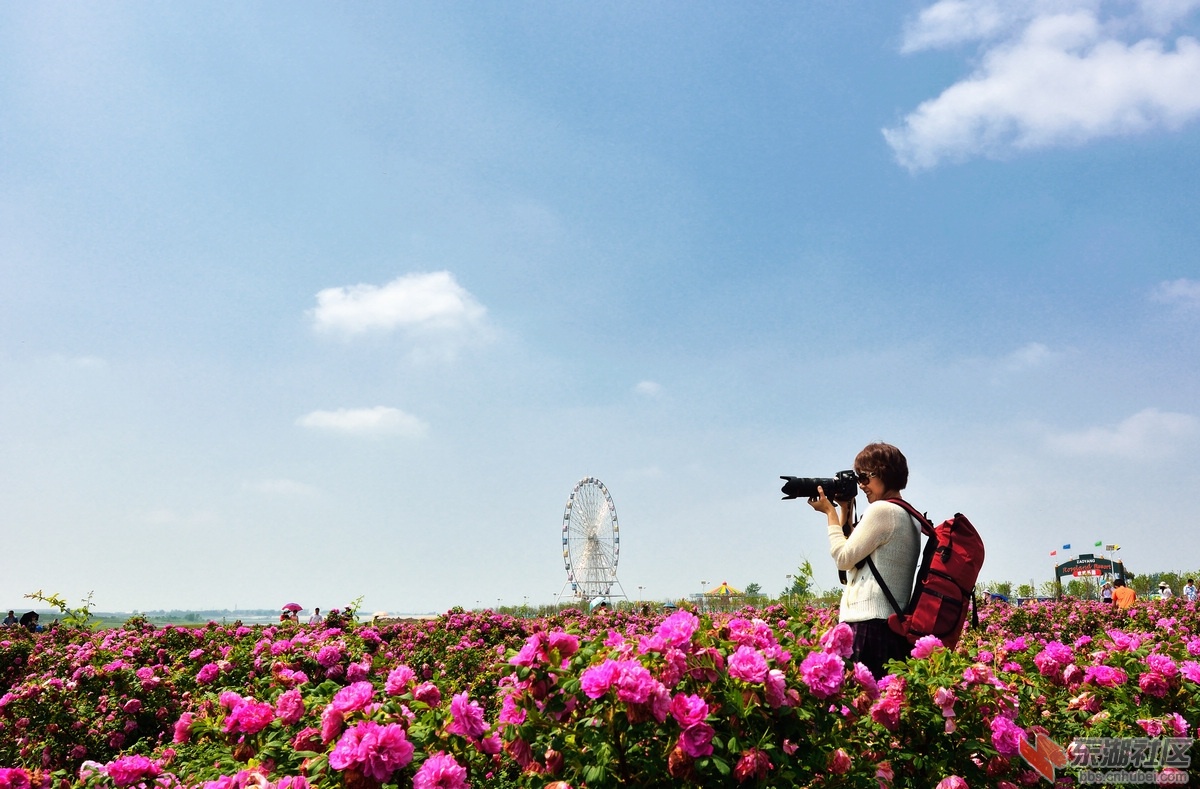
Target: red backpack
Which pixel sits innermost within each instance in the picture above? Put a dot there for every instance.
(945, 580)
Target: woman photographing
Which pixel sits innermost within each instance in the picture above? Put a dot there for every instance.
(891, 537)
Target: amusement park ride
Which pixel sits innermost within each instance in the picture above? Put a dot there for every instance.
(591, 545)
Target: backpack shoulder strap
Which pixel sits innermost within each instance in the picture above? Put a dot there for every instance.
(926, 524)
(891, 598)
(926, 527)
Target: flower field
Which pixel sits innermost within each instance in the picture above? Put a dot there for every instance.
(750, 698)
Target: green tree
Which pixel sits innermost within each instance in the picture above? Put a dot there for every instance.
(802, 587)
(81, 617)
(1081, 590)
(999, 587)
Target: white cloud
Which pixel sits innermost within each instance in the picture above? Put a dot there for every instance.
(166, 517)
(416, 303)
(1049, 74)
(648, 389)
(1180, 292)
(369, 422)
(1028, 357)
(998, 369)
(1146, 435)
(79, 362)
(282, 487)
(952, 22)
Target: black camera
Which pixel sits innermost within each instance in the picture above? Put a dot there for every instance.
(842, 487)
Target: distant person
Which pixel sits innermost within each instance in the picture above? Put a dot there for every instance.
(1106, 593)
(1164, 591)
(11, 619)
(1122, 595)
(29, 621)
(1189, 592)
(316, 617)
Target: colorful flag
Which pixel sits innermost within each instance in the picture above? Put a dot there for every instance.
(1099, 543)
(1067, 547)
(1053, 553)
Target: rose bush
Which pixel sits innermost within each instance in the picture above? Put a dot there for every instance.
(614, 699)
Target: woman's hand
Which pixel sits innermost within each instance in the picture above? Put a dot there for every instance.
(836, 518)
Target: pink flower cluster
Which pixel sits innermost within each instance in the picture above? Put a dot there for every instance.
(375, 750)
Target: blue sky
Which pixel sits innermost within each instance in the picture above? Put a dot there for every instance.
(309, 301)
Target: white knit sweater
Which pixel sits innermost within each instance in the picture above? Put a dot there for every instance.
(892, 538)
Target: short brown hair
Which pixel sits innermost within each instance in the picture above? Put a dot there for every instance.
(884, 461)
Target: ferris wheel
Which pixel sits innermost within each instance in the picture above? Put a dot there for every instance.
(591, 541)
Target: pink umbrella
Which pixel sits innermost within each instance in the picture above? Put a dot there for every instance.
(293, 607)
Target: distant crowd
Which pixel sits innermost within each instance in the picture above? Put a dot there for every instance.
(1122, 596)
(29, 621)
(291, 614)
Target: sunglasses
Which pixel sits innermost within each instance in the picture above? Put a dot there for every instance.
(863, 477)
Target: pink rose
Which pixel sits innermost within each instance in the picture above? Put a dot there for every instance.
(753, 764)
(1162, 664)
(596, 680)
(952, 782)
(823, 673)
(398, 680)
(1154, 684)
(289, 707)
(427, 693)
(839, 640)
(688, 710)
(332, 724)
(249, 717)
(748, 664)
(635, 683)
(129, 770)
(886, 712)
(353, 697)
(440, 771)
(531, 653)
(776, 689)
(926, 646)
(1104, 676)
(864, 677)
(376, 750)
(696, 741)
(565, 644)
(1006, 736)
(510, 713)
(183, 729)
(1152, 727)
(678, 628)
(466, 717)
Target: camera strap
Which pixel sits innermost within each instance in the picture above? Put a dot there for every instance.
(847, 530)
